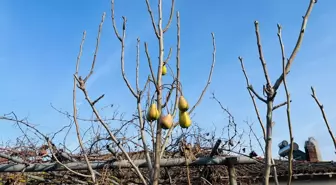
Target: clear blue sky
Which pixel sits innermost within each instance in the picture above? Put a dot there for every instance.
(39, 42)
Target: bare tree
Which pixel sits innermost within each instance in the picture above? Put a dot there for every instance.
(270, 90)
(159, 87)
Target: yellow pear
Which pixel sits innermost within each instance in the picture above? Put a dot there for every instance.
(184, 119)
(153, 113)
(183, 104)
(166, 121)
(164, 70)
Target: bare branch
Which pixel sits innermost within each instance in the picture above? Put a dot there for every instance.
(143, 136)
(298, 44)
(291, 139)
(170, 16)
(99, 98)
(178, 49)
(261, 55)
(122, 41)
(80, 52)
(256, 94)
(252, 97)
(113, 22)
(280, 105)
(113, 138)
(256, 137)
(169, 95)
(210, 73)
(152, 18)
(169, 55)
(157, 147)
(96, 50)
(178, 57)
(93, 176)
(141, 120)
(137, 64)
(150, 66)
(324, 116)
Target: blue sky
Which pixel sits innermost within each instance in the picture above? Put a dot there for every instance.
(39, 42)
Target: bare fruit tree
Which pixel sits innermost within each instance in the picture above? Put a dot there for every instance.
(160, 108)
(160, 114)
(270, 92)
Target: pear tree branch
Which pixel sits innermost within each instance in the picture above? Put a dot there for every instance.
(170, 16)
(210, 74)
(152, 19)
(122, 42)
(178, 76)
(252, 96)
(291, 139)
(298, 43)
(93, 176)
(141, 118)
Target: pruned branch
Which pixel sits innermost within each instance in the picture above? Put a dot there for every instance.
(256, 94)
(280, 105)
(261, 55)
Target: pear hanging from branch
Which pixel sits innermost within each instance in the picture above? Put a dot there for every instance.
(166, 121)
(183, 104)
(153, 113)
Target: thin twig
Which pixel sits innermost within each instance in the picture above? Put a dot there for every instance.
(280, 105)
(324, 116)
(150, 66)
(210, 73)
(256, 137)
(97, 47)
(152, 19)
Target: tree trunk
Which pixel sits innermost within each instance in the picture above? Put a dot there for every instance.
(268, 148)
